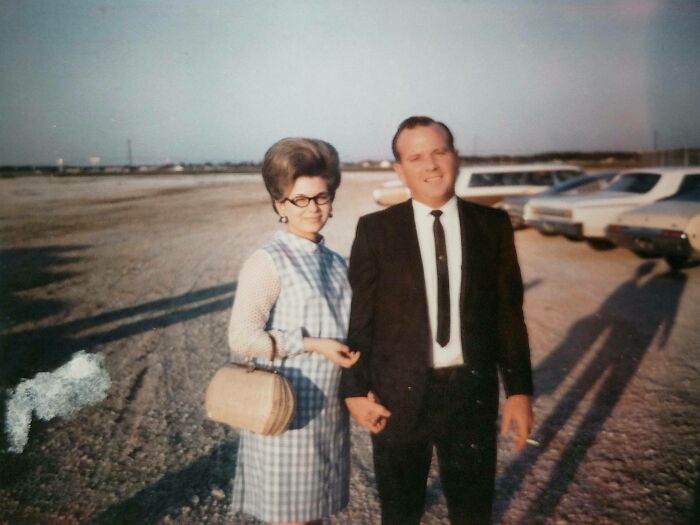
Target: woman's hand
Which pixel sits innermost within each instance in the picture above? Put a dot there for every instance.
(335, 351)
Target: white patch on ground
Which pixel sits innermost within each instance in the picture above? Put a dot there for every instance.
(81, 382)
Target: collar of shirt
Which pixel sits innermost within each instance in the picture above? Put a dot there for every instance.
(422, 211)
(301, 243)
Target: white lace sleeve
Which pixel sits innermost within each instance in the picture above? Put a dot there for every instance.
(256, 294)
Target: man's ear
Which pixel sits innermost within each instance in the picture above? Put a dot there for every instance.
(398, 169)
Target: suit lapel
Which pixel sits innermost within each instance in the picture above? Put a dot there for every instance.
(468, 233)
(409, 237)
(418, 302)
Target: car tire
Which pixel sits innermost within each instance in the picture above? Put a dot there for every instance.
(573, 238)
(600, 244)
(645, 255)
(677, 262)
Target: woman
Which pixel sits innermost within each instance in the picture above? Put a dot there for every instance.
(292, 306)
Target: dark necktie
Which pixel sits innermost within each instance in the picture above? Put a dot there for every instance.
(443, 281)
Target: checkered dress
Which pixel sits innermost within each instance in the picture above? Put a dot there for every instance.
(302, 474)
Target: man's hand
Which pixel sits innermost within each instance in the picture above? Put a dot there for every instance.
(517, 412)
(368, 412)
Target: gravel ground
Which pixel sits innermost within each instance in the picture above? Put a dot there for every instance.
(143, 270)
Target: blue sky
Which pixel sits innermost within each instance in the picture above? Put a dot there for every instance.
(214, 80)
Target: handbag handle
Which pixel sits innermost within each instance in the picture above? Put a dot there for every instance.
(252, 365)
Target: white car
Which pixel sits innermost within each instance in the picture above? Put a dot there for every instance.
(586, 217)
(489, 185)
(583, 185)
(669, 228)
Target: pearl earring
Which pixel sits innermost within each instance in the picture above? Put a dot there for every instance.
(283, 219)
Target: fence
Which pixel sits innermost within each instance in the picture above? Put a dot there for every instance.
(673, 157)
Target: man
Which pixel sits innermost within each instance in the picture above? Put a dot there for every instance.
(436, 314)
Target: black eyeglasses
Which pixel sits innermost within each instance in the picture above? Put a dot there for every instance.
(302, 201)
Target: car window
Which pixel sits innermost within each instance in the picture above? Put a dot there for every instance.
(539, 178)
(588, 187)
(689, 190)
(635, 182)
(492, 179)
(512, 178)
(573, 183)
(567, 175)
(523, 178)
(481, 179)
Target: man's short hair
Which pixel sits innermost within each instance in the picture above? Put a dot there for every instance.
(416, 122)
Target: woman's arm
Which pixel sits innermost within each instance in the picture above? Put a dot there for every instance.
(257, 291)
(256, 295)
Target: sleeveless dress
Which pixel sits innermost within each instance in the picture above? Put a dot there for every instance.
(289, 289)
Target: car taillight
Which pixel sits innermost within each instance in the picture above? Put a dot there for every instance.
(672, 233)
(616, 228)
(568, 214)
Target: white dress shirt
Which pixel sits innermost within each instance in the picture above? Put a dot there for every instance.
(451, 354)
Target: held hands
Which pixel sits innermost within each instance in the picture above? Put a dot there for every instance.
(368, 412)
(336, 352)
(517, 413)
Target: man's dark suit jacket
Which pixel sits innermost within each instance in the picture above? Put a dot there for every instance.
(389, 322)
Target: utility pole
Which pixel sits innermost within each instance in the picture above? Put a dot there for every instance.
(128, 147)
(657, 156)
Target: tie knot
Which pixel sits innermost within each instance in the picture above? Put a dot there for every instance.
(436, 213)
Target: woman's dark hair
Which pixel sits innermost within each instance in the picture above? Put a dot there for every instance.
(290, 158)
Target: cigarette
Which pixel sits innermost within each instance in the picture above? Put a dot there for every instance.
(532, 442)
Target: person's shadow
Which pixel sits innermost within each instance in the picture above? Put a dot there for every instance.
(624, 328)
(176, 489)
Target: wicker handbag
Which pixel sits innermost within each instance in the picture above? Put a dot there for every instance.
(246, 397)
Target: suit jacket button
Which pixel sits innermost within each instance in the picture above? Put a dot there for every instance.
(475, 372)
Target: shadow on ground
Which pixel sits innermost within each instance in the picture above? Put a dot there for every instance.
(174, 491)
(25, 269)
(46, 348)
(26, 351)
(640, 311)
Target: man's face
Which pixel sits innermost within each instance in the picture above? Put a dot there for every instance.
(426, 164)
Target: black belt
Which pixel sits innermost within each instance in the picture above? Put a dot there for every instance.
(444, 374)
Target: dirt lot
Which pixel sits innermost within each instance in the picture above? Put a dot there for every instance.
(143, 270)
